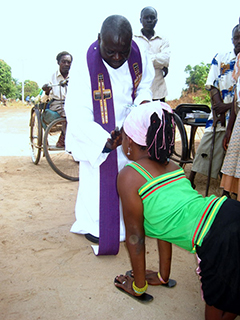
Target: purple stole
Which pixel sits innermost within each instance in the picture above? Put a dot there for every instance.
(103, 109)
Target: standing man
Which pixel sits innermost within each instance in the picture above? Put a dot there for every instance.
(158, 48)
(221, 87)
(55, 94)
(230, 181)
(116, 76)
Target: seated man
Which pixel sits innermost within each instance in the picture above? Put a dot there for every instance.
(55, 94)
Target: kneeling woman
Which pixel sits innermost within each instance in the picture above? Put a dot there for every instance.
(159, 202)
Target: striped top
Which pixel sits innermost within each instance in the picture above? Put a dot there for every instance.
(174, 211)
(220, 76)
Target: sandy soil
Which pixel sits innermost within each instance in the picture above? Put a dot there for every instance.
(48, 272)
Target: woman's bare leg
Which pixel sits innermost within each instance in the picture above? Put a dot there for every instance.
(165, 258)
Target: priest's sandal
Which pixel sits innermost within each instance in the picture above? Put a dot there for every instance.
(91, 238)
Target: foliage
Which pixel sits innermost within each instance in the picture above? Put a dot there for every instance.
(30, 89)
(11, 87)
(197, 76)
(203, 99)
(6, 84)
(196, 80)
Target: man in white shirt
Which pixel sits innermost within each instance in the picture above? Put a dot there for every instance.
(158, 49)
(101, 92)
(55, 94)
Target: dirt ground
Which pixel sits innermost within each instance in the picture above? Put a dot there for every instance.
(48, 272)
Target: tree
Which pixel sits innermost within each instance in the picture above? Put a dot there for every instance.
(11, 87)
(17, 89)
(197, 76)
(6, 84)
(196, 81)
(30, 88)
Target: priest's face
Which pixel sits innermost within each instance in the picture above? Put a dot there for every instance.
(115, 49)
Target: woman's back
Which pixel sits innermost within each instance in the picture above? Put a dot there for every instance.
(173, 211)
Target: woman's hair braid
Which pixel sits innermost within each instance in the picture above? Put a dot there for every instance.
(160, 137)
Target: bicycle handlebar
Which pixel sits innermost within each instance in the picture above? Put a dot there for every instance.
(62, 83)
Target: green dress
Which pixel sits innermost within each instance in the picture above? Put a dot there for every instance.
(174, 211)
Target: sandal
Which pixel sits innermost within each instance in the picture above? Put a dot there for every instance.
(170, 284)
(143, 298)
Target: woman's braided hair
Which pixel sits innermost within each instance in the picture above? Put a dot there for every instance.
(160, 137)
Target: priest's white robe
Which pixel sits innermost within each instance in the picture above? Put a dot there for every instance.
(86, 138)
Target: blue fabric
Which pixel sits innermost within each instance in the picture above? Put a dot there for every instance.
(48, 116)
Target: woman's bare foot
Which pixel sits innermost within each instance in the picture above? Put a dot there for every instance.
(153, 279)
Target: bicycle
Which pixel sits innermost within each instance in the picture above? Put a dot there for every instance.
(60, 160)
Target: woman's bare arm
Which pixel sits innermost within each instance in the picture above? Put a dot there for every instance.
(133, 217)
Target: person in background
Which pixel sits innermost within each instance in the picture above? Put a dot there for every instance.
(55, 94)
(4, 100)
(116, 76)
(28, 100)
(230, 181)
(221, 87)
(158, 49)
(159, 202)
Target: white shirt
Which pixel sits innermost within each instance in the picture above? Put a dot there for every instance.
(159, 53)
(57, 92)
(86, 139)
(220, 76)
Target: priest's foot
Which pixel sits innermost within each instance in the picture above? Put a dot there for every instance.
(91, 238)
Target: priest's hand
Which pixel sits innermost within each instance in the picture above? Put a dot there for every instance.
(115, 140)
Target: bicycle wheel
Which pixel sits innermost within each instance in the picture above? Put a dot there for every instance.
(181, 142)
(59, 159)
(35, 135)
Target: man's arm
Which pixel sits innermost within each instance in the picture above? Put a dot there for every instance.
(162, 58)
(144, 92)
(219, 108)
(230, 125)
(85, 137)
(47, 88)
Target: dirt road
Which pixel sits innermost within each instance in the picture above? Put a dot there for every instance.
(49, 273)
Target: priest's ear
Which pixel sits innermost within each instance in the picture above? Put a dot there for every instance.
(99, 38)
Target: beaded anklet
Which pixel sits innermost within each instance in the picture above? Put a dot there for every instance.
(139, 290)
(161, 279)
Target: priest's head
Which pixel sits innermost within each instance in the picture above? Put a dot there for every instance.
(115, 39)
